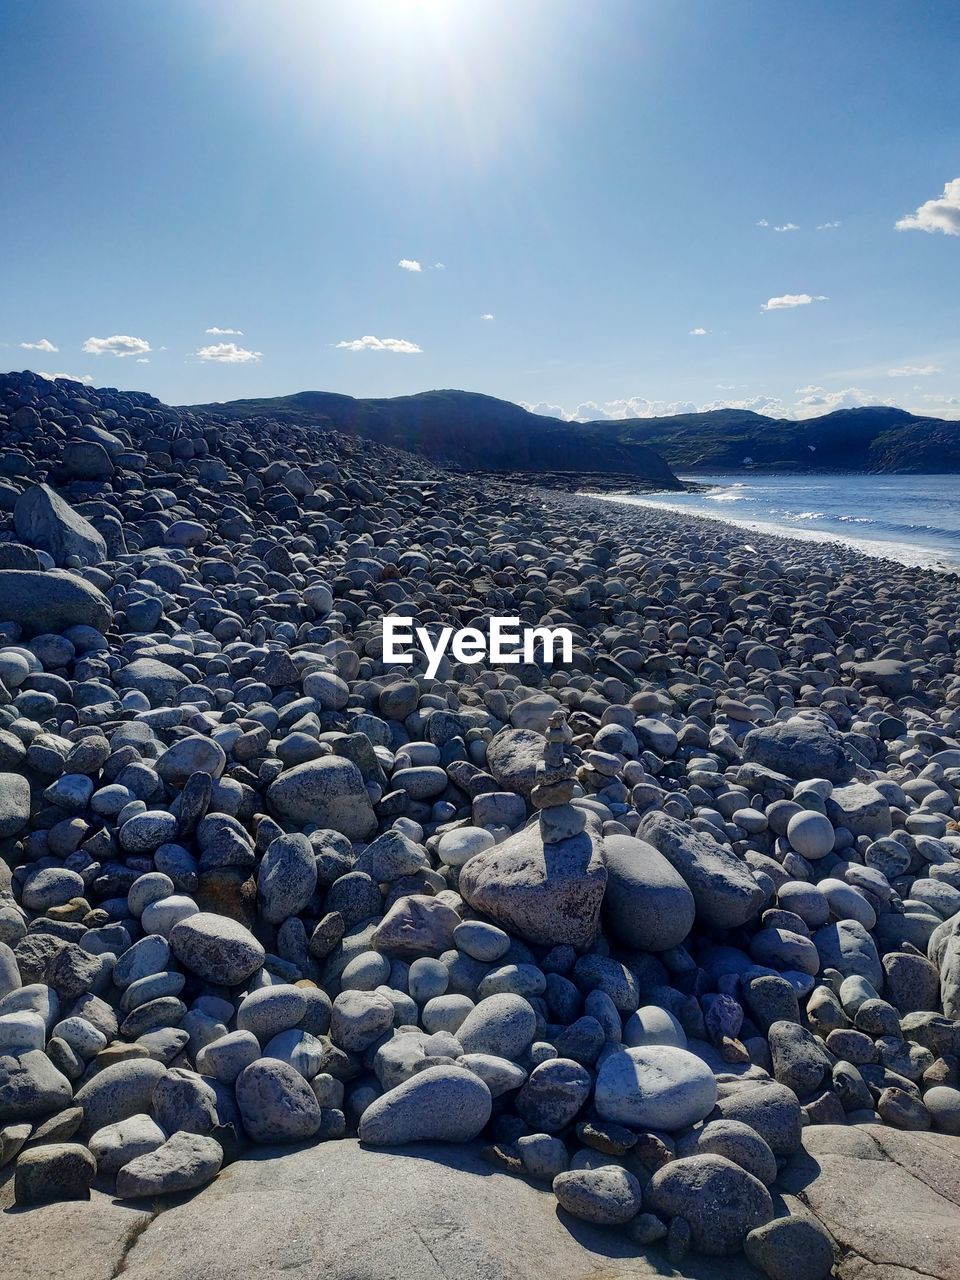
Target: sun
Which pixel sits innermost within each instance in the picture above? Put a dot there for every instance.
(412, 24)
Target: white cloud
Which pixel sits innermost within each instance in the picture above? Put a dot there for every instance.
(942, 214)
(787, 300)
(227, 353)
(787, 226)
(487, 315)
(85, 378)
(698, 332)
(546, 410)
(409, 264)
(940, 406)
(220, 333)
(829, 226)
(818, 401)
(142, 360)
(118, 345)
(762, 222)
(368, 343)
(439, 266)
(769, 405)
(913, 371)
(43, 345)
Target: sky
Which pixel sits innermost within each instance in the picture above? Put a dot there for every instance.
(597, 208)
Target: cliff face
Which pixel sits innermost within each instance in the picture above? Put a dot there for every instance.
(474, 431)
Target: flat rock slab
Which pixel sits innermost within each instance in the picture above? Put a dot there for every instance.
(891, 1200)
(73, 1240)
(425, 1212)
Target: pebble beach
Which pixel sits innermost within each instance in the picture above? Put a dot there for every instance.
(634, 924)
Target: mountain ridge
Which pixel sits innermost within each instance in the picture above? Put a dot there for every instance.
(486, 433)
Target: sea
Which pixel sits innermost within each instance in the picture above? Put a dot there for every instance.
(911, 519)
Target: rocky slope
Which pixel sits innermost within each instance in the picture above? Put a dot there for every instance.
(642, 924)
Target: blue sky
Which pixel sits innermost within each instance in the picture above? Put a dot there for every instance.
(595, 200)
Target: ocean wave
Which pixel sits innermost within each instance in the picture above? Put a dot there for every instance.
(891, 547)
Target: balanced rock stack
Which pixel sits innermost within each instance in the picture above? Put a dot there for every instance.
(634, 923)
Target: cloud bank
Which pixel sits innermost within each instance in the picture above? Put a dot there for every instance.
(812, 401)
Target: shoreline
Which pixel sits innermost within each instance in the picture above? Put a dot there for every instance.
(912, 555)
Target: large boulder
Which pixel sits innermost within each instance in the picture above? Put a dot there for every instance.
(648, 906)
(861, 808)
(439, 1104)
(891, 676)
(119, 1091)
(417, 924)
(156, 680)
(655, 1087)
(86, 460)
(943, 950)
(31, 1087)
(185, 1161)
(51, 602)
(195, 754)
(42, 519)
(545, 893)
(216, 948)
(287, 877)
(721, 1202)
(800, 749)
(329, 792)
(513, 756)
(14, 803)
(276, 1103)
(723, 887)
(846, 946)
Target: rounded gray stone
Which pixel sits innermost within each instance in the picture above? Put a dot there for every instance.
(216, 948)
(655, 1087)
(276, 1103)
(439, 1104)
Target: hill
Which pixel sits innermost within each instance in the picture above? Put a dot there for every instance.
(880, 439)
(473, 431)
(484, 433)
